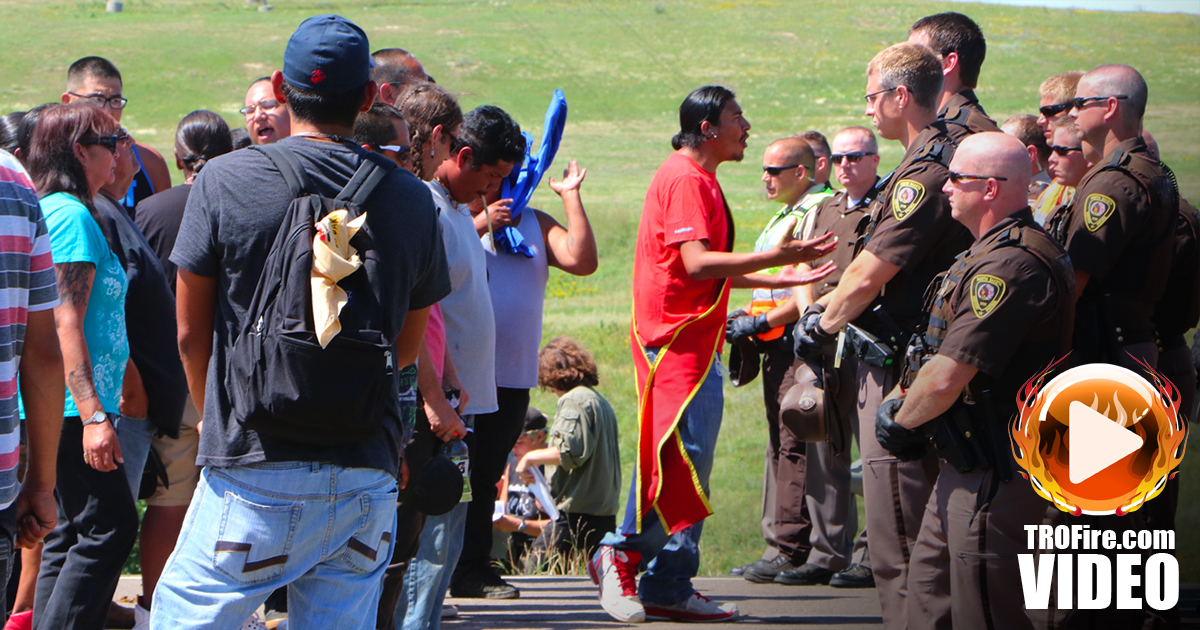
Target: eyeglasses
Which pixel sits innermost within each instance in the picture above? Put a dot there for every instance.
(1050, 111)
(1082, 101)
(402, 152)
(265, 105)
(455, 143)
(774, 171)
(111, 102)
(854, 157)
(109, 142)
(878, 92)
(1063, 151)
(959, 178)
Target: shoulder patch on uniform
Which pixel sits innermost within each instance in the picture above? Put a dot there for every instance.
(986, 293)
(906, 198)
(1097, 209)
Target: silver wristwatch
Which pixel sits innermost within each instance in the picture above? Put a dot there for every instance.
(96, 418)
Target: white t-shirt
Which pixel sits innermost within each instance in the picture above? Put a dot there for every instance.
(470, 322)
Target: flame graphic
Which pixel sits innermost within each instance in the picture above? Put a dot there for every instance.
(1040, 445)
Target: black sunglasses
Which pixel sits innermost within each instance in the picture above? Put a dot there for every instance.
(959, 178)
(1082, 101)
(108, 142)
(1050, 111)
(1064, 151)
(774, 171)
(853, 157)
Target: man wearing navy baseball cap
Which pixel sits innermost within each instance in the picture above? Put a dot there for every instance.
(278, 507)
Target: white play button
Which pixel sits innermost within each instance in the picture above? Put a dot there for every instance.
(1096, 442)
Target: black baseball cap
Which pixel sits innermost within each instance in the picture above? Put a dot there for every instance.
(328, 54)
(535, 420)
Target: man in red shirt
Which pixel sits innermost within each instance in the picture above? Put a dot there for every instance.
(683, 270)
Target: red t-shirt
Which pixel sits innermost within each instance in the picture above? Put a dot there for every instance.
(684, 203)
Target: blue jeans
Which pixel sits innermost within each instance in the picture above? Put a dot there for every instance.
(429, 572)
(673, 560)
(134, 435)
(324, 531)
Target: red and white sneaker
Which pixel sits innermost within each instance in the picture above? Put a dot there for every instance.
(695, 608)
(615, 572)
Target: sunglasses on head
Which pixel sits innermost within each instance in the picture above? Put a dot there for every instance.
(959, 178)
(1064, 151)
(774, 171)
(1050, 111)
(853, 157)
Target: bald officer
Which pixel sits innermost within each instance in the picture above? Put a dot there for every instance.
(911, 238)
(1121, 225)
(1000, 315)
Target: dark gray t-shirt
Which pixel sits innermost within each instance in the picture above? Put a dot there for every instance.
(232, 215)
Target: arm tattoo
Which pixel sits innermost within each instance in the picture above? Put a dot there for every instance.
(570, 243)
(79, 381)
(74, 282)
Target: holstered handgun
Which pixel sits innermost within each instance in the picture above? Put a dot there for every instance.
(959, 439)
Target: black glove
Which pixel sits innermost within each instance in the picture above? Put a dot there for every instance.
(729, 320)
(745, 325)
(811, 341)
(906, 444)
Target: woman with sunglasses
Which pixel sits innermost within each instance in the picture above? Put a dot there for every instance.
(72, 155)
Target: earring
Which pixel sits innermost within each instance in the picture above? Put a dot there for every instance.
(431, 153)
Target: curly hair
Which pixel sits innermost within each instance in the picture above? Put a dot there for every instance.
(564, 365)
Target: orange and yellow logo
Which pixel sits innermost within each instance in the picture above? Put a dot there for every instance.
(1098, 438)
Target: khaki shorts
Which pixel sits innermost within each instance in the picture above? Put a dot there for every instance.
(179, 458)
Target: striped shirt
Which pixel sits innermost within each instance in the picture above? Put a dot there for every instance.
(27, 283)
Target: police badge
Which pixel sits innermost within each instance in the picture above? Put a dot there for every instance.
(986, 293)
(1097, 209)
(906, 198)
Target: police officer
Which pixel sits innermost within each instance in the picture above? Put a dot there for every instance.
(836, 555)
(911, 238)
(1119, 237)
(1121, 225)
(789, 176)
(959, 43)
(1001, 314)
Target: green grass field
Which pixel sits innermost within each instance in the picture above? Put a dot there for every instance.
(625, 67)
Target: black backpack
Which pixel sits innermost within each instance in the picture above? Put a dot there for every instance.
(281, 383)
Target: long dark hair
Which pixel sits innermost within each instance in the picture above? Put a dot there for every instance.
(51, 161)
(426, 106)
(202, 135)
(702, 104)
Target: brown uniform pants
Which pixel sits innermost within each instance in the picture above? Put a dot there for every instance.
(895, 493)
(1110, 618)
(829, 498)
(785, 520)
(963, 572)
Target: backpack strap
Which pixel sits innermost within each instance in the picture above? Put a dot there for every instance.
(289, 166)
(364, 180)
